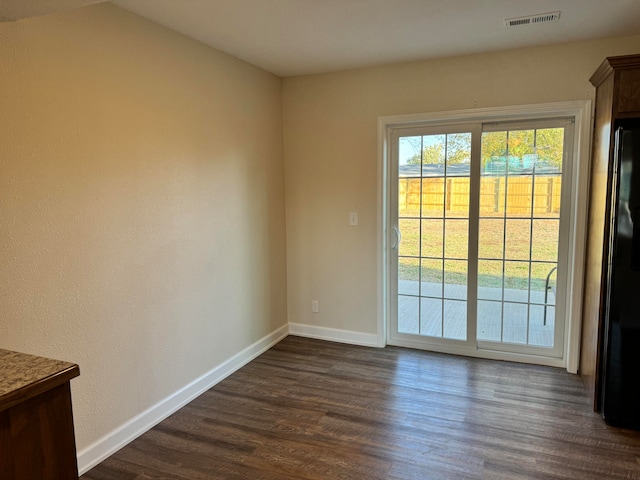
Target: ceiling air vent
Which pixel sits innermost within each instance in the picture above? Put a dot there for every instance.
(532, 19)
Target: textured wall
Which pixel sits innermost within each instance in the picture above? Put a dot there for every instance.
(141, 206)
(330, 125)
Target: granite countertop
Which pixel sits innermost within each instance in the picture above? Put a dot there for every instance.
(24, 376)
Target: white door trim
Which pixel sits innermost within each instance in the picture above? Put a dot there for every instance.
(581, 112)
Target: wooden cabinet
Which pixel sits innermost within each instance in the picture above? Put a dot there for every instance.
(617, 83)
(36, 423)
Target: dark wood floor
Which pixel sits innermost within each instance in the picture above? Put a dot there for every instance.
(308, 409)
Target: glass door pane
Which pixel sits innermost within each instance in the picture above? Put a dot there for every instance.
(433, 222)
(520, 186)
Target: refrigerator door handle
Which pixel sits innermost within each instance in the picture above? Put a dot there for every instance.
(635, 241)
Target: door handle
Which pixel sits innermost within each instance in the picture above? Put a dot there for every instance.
(635, 240)
(396, 230)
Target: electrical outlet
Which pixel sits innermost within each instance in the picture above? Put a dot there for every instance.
(315, 308)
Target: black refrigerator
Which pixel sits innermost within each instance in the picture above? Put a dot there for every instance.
(621, 359)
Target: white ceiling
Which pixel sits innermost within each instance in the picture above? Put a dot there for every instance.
(297, 37)
(11, 10)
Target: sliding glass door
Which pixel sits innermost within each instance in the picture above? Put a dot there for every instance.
(477, 246)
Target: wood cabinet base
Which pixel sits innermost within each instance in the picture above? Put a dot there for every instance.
(37, 439)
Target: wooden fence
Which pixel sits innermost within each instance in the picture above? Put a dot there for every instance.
(452, 195)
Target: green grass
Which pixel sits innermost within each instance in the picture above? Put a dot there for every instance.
(454, 245)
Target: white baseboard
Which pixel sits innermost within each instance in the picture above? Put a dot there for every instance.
(118, 438)
(334, 334)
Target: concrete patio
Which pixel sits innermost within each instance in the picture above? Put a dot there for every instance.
(494, 323)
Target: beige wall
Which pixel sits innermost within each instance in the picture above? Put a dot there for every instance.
(141, 206)
(330, 125)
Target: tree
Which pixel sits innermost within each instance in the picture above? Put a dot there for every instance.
(458, 149)
(550, 145)
(546, 144)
